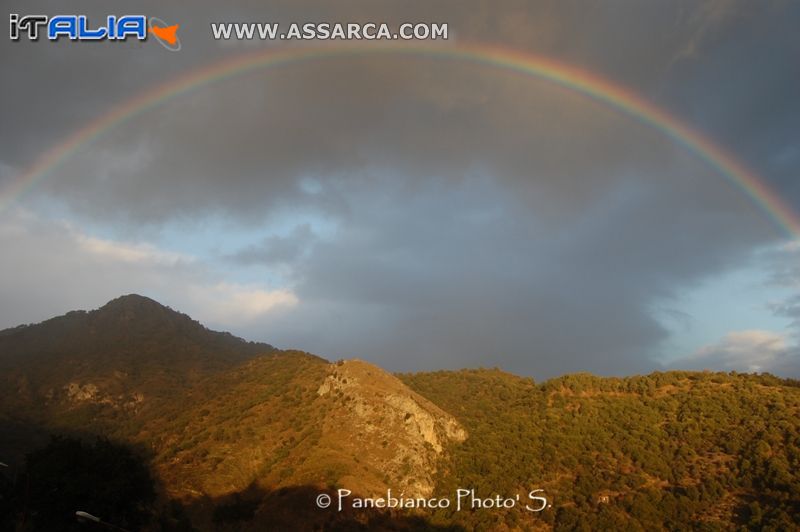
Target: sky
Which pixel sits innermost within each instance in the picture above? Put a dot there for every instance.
(414, 211)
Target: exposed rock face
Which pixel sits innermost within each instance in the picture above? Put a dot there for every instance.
(388, 426)
(78, 394)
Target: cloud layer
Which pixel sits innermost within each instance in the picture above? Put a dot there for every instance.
(747, 351)
(59, 268)
(415, 212)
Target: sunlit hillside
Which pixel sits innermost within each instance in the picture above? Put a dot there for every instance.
(228, 429)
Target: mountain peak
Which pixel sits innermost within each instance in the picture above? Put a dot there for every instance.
(134, 314)
(136, 303)
(128, 332)
(133, 299)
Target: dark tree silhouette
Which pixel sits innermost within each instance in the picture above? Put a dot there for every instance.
(103, 478)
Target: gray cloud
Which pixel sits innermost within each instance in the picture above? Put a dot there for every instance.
(477, 217)
(784, 265)
(278, 250)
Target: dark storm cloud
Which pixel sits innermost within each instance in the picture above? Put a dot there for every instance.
(244, 147)
(483, 280)
(479, 217)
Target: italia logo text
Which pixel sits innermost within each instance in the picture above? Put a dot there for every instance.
(77, 27)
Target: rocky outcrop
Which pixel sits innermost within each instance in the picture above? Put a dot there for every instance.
(81, 394)
(76, 393)
(388, 426)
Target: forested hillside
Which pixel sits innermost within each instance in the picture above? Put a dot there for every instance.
(668, 451)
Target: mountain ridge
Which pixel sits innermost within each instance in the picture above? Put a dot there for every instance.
(162, 374)
(222, 419)
(128, 308)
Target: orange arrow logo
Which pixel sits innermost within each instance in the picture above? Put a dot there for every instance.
(166, 34)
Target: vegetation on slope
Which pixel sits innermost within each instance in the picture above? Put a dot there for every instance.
(670, 451)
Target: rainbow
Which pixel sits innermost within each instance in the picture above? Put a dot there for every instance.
(580, 81)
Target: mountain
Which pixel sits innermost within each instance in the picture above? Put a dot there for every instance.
(293, 419)
(130, 355)
(244, 436)
(129, 331)
(215, 414)
(130, 340)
